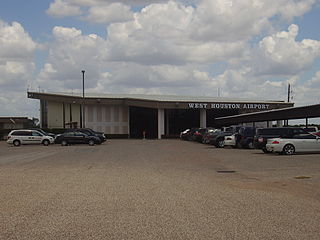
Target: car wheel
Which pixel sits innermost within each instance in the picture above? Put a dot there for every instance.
(220, 143)
(45, 142)
(250, 145)
(64, 143)
(288, 149)
(16, 143)
(91, 142)
(265, 150)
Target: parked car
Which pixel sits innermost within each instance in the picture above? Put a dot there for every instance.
(230, 141)
(311, 129)
(206, 137)
(26, 136)
(90, 132)
(244, 137)
(184, 134)
(217, 138)
(263, 134)
(199, 134)
(76, 137)
(188, 135)
(43, 132)
(298, 142)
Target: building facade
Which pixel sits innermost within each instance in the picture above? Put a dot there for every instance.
(134, 115)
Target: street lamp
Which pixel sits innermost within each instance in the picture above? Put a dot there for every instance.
(83, 113)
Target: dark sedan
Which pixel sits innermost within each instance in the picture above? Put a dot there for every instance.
(77, 138)
(89, 132)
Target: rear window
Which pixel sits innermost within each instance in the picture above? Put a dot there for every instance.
(280, 131)
(311, 129)
(68, 134)
(269, 131)
(248, 131)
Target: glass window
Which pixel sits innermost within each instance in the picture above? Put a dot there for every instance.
(25, 133)
(79, 134)
(69, 134)
(304, 136)
(36, 134)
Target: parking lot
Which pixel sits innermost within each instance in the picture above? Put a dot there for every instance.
(156, 189)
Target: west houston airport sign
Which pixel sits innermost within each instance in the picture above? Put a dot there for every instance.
(229, 106)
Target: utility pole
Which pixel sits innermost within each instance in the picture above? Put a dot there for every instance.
(83, 113)
(289, 91)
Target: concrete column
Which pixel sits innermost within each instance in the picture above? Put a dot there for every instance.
(167, 122)
(307, 122)
(280, 123)
(203, 118)
(160, 122)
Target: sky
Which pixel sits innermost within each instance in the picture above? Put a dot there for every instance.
(248, 49)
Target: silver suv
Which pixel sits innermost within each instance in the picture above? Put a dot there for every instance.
(23, 136)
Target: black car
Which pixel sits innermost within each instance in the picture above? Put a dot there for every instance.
(188, 134)
(76, 137)
(199, 134)
(90, 132)
(263, 134)
(245, 136)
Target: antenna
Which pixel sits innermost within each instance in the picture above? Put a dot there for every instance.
(289, 91)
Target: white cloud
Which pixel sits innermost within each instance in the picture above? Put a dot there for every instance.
(63, 8)
(97, 11)
(16, 56)
(16, 69)
(159, 34)
(175, 48)
(115, 12)
(281, 54)
(65, 34)
(70, 52)
(314, 82)
(291, 9)
(15, 42)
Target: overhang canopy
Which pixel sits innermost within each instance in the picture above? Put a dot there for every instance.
(310, 111)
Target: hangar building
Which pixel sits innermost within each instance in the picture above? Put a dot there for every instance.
(129, 115)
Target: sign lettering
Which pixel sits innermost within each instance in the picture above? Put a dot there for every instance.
(260, 106)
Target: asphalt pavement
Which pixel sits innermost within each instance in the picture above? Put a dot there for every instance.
(157, 189)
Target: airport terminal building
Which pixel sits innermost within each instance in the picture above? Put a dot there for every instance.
(129, 115)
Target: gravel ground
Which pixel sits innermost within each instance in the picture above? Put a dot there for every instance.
(156, 189)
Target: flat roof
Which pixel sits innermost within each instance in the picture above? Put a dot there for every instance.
(158, 98)
(162, 101)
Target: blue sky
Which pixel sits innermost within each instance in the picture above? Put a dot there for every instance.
(246, 49)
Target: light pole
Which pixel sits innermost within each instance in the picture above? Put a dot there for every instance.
(83, 113)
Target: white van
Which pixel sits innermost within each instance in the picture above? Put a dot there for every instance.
(24, 136)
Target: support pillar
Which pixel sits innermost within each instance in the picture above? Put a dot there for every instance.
(203, 118)
(167, 112)
(160, 122)
(280, 123)
(307, 122)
